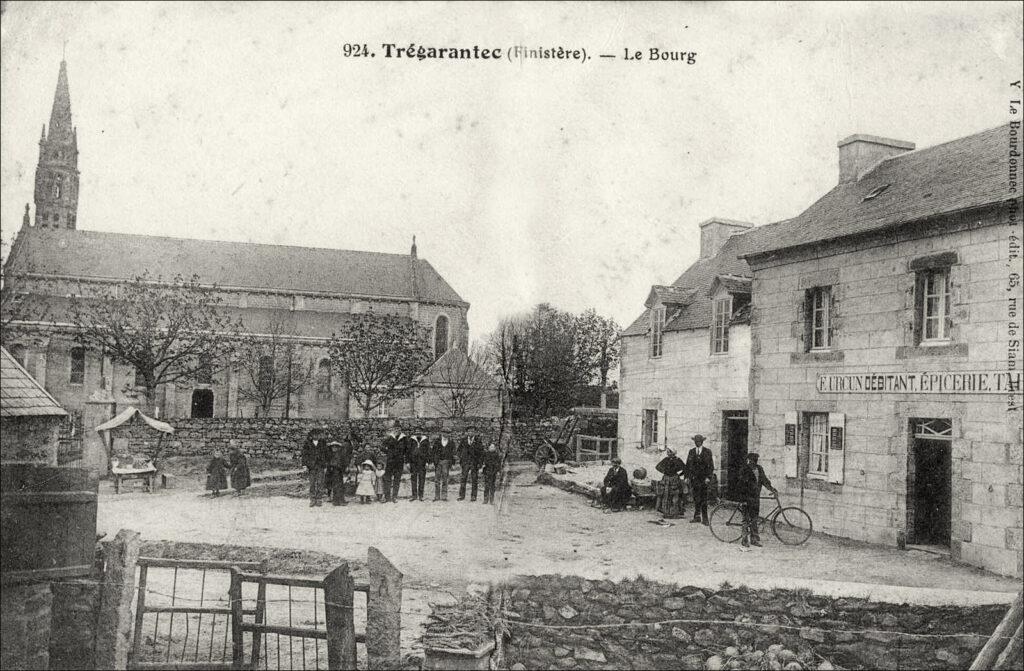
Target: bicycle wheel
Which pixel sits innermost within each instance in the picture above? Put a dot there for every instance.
(792, 526)
(727, 522)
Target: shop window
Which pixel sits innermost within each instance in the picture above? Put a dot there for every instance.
(816, 448)
(77, 365)
(933, 306)
(657, 331)
(818, 310)
(323, 380)
(721, 315)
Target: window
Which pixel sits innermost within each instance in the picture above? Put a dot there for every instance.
(934, 316)
(204, 371)
(140, 380)
(440, 336)
(382, 410)
(649, 430)
(323, 380)
(817, 461)
(657, 331)
(265, 375)
(77, 365)
(720, 325)
(20, 355)
(819, 315)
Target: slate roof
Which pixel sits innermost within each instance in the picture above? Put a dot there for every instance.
(696, 281)
(734, 284)
(101, 255)
(668, 295)
(20, 394)
(454, 366)
(957, 175)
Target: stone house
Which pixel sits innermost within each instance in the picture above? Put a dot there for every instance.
(456, 386)
(884, 375)
(685, 361)
(305, 294)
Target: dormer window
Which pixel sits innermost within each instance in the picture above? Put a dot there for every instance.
(657, 331)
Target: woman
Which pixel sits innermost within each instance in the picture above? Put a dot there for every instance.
(239, 471)
(216, 474)
(671, 500)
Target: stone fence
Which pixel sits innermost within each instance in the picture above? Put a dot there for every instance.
(568, 622)
(274, 438)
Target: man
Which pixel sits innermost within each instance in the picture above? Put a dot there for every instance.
(315, 457)
(341, 457)
(616, 492)
(492, 466)
(701, 465)
(671, 503)
(441, 453)
(749, 484)
(396, 447)
(419, 455)
(471, 453)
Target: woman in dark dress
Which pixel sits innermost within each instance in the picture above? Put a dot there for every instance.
(671, 501)
(216, 474)
(240, 478)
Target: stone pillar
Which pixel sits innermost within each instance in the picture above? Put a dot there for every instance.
(232, 383)
(170, 400)
(25, 614)
(383, 613)
(113, 630)
(96, 448)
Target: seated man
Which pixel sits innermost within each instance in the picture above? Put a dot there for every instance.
(615, 492)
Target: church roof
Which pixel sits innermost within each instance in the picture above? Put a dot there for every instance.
(99, 255)
(61, 129)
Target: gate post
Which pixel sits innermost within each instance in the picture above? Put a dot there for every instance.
(113, 633)
(237, 640)
(383, 612)
(341, 631)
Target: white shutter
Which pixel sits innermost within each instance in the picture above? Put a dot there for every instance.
(789, 458)
(836, 446)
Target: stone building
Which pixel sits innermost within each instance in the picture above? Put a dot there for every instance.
(685, 362)
(885, 383)
(305, 294)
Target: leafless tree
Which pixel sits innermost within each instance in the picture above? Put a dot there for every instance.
(461, 384)
(276, 367)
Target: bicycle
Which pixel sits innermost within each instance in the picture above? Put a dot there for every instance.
(791, 525)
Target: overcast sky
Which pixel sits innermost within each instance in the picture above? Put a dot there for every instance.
(576, 184)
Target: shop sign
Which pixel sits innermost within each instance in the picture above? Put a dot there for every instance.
(924, 382)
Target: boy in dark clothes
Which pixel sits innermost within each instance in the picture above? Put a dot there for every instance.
(492, 466)
(315, 457)
(751, 479)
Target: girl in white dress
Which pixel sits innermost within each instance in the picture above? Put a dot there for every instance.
(366, 488)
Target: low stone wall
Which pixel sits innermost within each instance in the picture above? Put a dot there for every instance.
(643, 624)
(275, 438)
(76, 606)
(25, 611)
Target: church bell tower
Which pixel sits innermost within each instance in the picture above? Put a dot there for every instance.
(56, 188)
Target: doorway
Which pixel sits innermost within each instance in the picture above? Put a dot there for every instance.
(735, 451)
(202, 403)
(931, 489)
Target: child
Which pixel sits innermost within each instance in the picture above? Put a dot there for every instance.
(378, 484)
(216, 474)
(367, 488)
(240, 478)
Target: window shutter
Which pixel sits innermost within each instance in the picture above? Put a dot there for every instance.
(643, 429)
(807, 317)
(836, 446)
(949, 303)
(832, 317)
(789, 447)
(918, 308)
(664, 430)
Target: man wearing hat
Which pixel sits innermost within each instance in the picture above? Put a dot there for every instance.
(750, 481)
(701, 466)
(615, 492)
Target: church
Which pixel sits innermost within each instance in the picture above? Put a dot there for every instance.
(305, 293)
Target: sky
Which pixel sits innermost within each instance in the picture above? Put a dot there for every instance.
(577, 184)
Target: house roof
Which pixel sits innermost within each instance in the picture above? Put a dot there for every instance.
(734, 284)
(454, 367)
(20, 394)
(668, 295)
(239, 265)
(961, 174)
(695, 282)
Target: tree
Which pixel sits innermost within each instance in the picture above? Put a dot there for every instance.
(597, 343)
(168, 331)
(499, 356)
(461, 384)
(277, 368)
(380, 357)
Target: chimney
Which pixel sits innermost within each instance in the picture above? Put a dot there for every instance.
(859, 154)
(715, 231)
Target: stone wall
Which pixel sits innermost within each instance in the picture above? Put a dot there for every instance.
(76, 605)
(30, 439)
(25, 612)
(590, 624)
(274, 438)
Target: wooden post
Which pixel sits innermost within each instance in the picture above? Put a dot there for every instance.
(235, 595)
(341, 630)
(261, 609)
(140, 610)
(383, 612)
(115, 619)
(1001, 636)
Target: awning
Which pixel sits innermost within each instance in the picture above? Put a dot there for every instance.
(126, 416)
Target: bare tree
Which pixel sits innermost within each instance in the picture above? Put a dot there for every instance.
(168, 331)
(277, 367)
(460, 383)
(380, 357)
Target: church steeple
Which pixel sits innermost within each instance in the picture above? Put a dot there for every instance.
(56, 188)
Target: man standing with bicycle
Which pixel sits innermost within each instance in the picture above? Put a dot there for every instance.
(751, 479)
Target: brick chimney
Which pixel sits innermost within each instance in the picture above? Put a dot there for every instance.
(859, 154)
(715, 231)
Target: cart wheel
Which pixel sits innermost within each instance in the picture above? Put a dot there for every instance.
(544, 455)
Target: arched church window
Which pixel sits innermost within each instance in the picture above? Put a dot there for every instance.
(77, 375)
(440, 336)
(323, 380)
(265, 375)
(57, 188)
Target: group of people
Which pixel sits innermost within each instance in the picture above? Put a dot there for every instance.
(379, 475)
(236, 467)
(699, 470)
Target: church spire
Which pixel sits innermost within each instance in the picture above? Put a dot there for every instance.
(61, 129)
